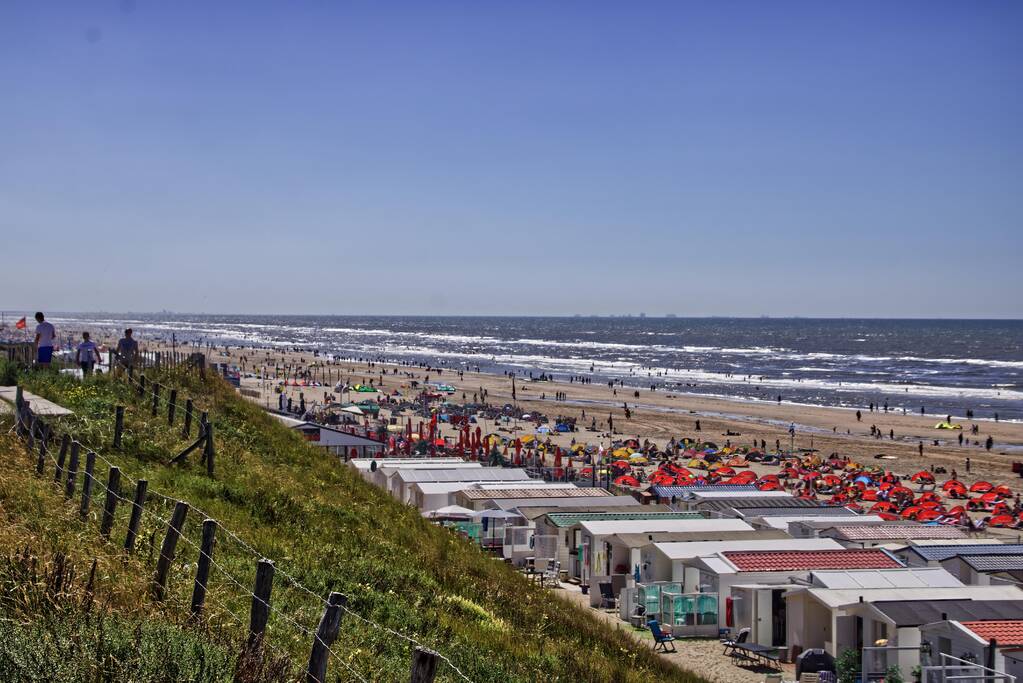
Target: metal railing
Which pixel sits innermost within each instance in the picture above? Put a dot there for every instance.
(957, 669)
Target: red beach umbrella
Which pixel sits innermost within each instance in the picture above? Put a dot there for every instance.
(981, 487)
(1002, 520)
(911, 512)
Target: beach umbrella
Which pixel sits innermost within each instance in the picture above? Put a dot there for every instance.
(869, 494)
(901, 491)
(855, 506)
(928, 515)
(911, 512)
(958, 490)
(922, 475)
(887, 516)
(621, 464)
(882, 506)
(989, 497)
(831, 480)
(930, 505)
(627, 480)
(981, 487)
(1002, 520)
(769, 486)
(952, 483)
(1003, 491)
(450, 512)
(495, 514)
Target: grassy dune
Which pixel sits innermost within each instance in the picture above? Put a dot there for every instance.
(317, 520)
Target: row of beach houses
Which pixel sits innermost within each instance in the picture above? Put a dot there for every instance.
(719, 560)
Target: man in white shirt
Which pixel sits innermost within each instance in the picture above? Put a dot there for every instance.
(87, 354)
(46, 336)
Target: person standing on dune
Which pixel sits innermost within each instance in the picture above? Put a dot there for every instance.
(46, 335)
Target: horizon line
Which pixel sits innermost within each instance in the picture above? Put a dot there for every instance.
(614, 316)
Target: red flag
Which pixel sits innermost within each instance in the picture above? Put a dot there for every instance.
(20, 324)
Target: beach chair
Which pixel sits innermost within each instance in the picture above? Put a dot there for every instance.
(730, 643)
(661, 639)
(552, 575)
(607, 597)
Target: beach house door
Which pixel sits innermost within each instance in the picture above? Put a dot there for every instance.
(763, 619)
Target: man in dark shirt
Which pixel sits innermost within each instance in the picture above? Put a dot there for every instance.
(127, 353)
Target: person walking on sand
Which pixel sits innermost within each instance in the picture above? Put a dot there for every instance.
(989, 443)
(46, 335)
(127, 353)
(87, 355)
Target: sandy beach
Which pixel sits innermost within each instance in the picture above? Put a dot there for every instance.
(659, 415)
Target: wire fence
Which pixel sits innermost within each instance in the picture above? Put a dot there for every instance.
(105, 496)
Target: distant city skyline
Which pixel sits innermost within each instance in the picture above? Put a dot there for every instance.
(450, 158)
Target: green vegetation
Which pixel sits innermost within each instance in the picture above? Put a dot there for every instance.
(316, 519)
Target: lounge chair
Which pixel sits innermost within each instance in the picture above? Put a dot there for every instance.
(661, 640)
(607, 597)
(730, 643)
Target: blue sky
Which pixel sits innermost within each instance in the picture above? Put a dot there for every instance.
(717, 158)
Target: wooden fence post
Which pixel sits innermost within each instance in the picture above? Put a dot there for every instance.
(118, 425)
(90, 466)
(326, 634)
(19, 410)
(65, 442)
(110, 504)
(202, 572)
(260, 612)
(41, 462)
(156, 398)
(170, 542)
(72, 470)
(204, 424)
(31, 420)
(172, 406)
(136, 515)
(142, 385)
(187, 431)
(207, 451)
(424, 665)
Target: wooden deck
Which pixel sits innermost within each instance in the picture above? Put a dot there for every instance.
(38, 404)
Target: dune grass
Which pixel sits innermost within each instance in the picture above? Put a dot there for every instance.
(322, 525)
